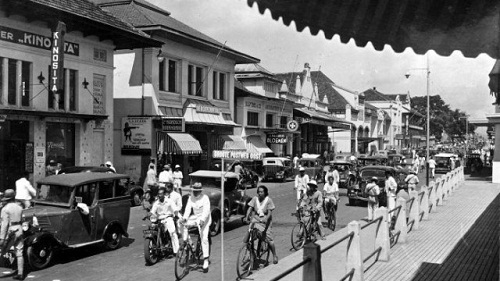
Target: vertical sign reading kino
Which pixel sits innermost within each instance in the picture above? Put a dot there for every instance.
(56, 83)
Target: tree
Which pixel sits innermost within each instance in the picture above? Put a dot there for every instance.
(442, 118)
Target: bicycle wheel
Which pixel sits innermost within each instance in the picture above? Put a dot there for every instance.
(244, 262)
(182, 262)
(332, 217)
(298, 236)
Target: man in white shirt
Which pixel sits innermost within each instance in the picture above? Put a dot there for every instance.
(165, 209)
(170, 193)
(296, 161)
(390, 188)
(177, 176)
(432, 166)
(199, 204)
(24, 190)
(301, 181)
(165, 176)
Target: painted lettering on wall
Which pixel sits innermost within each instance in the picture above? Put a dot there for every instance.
(253, 104)
(35, 40)
(98, 90)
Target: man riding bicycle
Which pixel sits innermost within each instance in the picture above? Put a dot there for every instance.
(259, 215)
(313, 200)
(301, 181)
(330, 194)
(165, 209)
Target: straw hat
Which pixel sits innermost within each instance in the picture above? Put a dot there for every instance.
(197, 186)
(9, 194)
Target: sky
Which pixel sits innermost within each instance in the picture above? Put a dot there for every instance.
(461, 82)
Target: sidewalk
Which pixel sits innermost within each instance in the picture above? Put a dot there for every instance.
(458, 242)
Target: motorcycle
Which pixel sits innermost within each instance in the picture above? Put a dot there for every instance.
(157, 242)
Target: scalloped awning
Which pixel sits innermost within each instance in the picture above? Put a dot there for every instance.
(469, 26)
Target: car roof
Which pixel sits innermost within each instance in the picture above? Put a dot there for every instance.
(377, 167)
(212, 174)
(81, 169)
(343, 162)
(71, 180)
(445, 155)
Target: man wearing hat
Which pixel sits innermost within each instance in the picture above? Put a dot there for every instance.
(177, 176)
(199, 204)
(412, 180)
(301, 181)
(165, 176)
(110, 165)
(51, 168)
(373, 190)
(11, 215)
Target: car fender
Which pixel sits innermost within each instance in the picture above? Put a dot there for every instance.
(39, 236)
(112, 225)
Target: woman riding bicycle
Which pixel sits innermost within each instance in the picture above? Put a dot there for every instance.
(200, 205)
(330, 193)
(313, 200)
(260, 210)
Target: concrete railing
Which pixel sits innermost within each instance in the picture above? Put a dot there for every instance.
(418, 207)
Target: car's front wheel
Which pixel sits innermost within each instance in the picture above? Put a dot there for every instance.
(113, 239)
(40, 254)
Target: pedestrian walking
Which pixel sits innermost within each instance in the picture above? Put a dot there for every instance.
(24, 191)
(390, 188)
(412, 180)
(165, 176)
(373, 191)
(301, 181)
(150, 183)
(432, 166)
(296, 161)
(416, 164)
(177, 176)
(422, 164)
(11, 215)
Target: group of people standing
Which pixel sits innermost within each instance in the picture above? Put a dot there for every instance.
(153, 182)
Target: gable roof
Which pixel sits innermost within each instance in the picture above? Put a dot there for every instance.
(83, 16)
(374, 95)
(253, 70)
(325, 87)
(150, 18)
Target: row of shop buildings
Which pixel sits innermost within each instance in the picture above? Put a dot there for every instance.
(131, 85)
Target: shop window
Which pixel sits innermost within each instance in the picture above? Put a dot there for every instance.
(72, 89)
(195, 81)
(252, 118)
(219, 85)
(167, 75)
(60, 143)
(269, 120)
(100, 55)
(283, 121)
(25, 83)
(11, 79)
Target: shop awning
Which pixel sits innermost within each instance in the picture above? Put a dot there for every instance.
(232, 142)
(170, 111)
(320, 118)
(368, 139)
(206, 113)
(178, 143)
(256, 145)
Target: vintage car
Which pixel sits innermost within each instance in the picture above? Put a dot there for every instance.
(135, 191)
(395, 159)
(235, 198)
(372, 160)
(343, 157)
(75, 210)
(347, 172)
(252, 169)
(443, 162)
(473, 163)
(277, 168)
(313, 164)
(357, 193)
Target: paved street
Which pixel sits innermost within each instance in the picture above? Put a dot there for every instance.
(127, 263)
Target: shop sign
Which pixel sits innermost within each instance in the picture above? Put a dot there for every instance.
(276, 138)
(273, 107)
(253, 104)
(172, 124)
(40, 154)
(399, 137)
(98, 92)
(137, 132)
(17, 36)
(292, 125)
(56, 83)
(207, 109)
(321, 138)
(236, 155)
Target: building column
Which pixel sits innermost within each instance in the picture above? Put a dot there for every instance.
(495, 119)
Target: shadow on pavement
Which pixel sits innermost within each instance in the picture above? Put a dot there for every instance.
(475, 257)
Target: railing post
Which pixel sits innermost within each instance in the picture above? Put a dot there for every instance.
(354, 259)
(446, 187)
(439, 192)
(424, 204)
(401, 220)
(312, 269)
(432, 196)
(414, 210)
(382, 234)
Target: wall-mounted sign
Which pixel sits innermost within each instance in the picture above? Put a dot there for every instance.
(253, 104)
(136, 137)
(321, 138)
(99, 92)
(226, 154)
(207, 109)
(56, 82)
(40, 154)
(399, 137)
(276, 138)
(172, 124)
(273, 107)
(292, 125)
(17, 36)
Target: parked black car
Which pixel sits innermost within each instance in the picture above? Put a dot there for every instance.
(357, 193)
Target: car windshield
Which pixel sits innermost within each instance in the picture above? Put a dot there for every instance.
(54, 194)
(373, 173)
(441, 159)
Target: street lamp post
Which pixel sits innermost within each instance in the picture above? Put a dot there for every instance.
(428, 72)
(466, 133)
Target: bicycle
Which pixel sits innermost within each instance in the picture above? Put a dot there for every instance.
(189, 257)
(331, 214)
(305, 228)
(254, 254)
